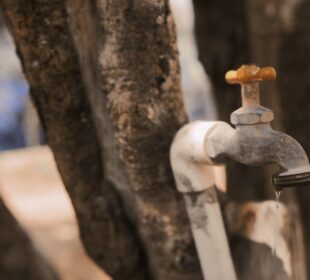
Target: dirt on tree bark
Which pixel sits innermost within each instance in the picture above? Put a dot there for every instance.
(110, 112)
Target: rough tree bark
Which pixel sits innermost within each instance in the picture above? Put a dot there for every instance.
(137, 108)
(18, 258)
(50, 63)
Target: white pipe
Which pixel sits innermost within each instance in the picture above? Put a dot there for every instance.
(194, 176)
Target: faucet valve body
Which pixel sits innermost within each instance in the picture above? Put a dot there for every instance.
(251, 115)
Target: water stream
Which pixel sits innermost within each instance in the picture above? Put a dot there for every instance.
(274, 249)
(278, 194)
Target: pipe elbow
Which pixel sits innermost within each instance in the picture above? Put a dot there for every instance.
(217, 142)
(191, 165)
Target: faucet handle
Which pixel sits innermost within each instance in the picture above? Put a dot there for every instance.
(251, 111)
(250, 73)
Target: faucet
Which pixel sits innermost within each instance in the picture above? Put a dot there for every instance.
(201, 145)
(253, 141)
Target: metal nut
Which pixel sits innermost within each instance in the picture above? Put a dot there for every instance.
(251, 115)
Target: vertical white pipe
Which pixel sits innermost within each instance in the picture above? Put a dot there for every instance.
(194, 176)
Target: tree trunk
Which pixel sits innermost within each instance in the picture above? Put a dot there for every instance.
(18, 258)
(50, 63)
(130, 77)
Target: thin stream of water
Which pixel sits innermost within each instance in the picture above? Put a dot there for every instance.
(274, 249)
(278, 194)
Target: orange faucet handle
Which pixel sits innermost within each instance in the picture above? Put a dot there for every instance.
(250, 73)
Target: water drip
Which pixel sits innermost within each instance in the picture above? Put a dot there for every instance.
(274, 249)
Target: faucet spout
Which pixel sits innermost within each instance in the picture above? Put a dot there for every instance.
(293, 163)
(258, 145)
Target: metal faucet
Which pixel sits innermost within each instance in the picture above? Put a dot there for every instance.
(254, 142)
(200, 145)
